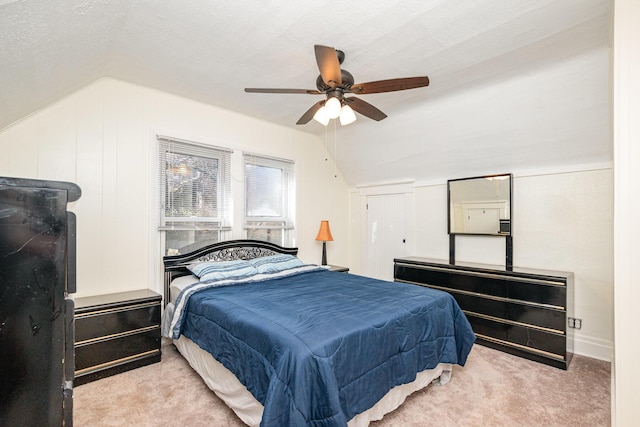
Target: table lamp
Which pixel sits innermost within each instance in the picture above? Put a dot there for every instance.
(325, 236)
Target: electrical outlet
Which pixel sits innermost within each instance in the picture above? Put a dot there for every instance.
(574, 323)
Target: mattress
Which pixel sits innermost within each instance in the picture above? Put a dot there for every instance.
(235, 395)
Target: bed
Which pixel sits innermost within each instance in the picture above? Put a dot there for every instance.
(284, 343)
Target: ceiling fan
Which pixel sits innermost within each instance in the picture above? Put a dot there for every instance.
(335, 83)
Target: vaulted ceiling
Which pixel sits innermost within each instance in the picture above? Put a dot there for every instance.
(515, 84)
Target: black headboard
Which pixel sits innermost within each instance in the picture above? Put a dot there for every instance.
(176, 265)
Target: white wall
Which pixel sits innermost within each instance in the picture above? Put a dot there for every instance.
(102, 138)
(561, 221)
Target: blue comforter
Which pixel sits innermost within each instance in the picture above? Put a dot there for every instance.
(319, 347)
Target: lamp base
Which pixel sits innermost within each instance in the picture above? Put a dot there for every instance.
(324, 253)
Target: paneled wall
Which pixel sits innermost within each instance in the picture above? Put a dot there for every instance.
(103, 138)
(561, 221)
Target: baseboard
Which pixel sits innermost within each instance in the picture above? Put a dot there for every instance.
(593, 347)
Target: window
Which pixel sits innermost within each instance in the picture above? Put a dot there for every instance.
(269, 199)
(195, 194)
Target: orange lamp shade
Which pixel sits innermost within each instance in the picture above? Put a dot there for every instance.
(325, 233)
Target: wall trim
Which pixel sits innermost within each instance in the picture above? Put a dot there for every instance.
(593, 347)
(587, 167)
(523, 173)
(388, 188)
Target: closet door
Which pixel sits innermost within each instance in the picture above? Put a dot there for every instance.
(386, 234)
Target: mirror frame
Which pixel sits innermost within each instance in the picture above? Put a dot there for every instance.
(507, 176)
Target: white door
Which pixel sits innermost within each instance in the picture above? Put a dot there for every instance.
(386, 238)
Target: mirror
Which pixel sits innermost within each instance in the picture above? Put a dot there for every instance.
(480, 205)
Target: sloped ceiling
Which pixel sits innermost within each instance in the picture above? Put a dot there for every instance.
(515, 85)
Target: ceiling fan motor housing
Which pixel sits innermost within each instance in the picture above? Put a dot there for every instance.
(347, 82)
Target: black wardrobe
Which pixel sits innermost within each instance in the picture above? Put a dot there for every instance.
(37, 272)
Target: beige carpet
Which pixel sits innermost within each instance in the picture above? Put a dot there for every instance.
(493, 389)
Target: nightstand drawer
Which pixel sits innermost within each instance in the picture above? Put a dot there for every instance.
(115, 333)
(107, 322)
(115, 349)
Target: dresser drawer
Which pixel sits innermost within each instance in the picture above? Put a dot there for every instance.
(531, 290)
(522, 336)
(522, 313)
(108, 322)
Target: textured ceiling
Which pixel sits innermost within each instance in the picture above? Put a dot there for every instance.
(515, 85)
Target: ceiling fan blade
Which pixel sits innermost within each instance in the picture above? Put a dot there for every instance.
(265, 90)
(329, 65)
(390, 85)
(365, 108)
(306, 117)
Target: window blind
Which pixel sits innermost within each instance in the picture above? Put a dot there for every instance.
(194, 184)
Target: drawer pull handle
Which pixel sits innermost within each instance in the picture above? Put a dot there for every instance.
(116, 310)
(115, 362)
(118, 335)
(522, 347)
(512, 322)
(485, 296)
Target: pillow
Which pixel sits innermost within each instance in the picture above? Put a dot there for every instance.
(275, 263)
(222, 270)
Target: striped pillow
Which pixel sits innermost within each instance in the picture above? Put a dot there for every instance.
(223, 270)
(275, 263)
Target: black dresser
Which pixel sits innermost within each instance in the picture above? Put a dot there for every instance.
(115, 333)
(523, 312)
(37, 272)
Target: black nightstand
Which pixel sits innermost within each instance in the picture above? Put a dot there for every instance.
(338, 269)
(115, 333)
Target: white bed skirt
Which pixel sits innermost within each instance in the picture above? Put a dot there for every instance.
(227, 387)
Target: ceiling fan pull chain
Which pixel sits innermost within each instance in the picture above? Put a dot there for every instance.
(326, 141)
(335, 149)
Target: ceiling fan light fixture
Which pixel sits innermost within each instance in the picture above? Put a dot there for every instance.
(347, 116)
(333, 107)
(321, 116)
(334, 83)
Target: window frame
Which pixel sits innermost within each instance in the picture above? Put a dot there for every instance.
(222, 223)
(232, 221)
(285, 223)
